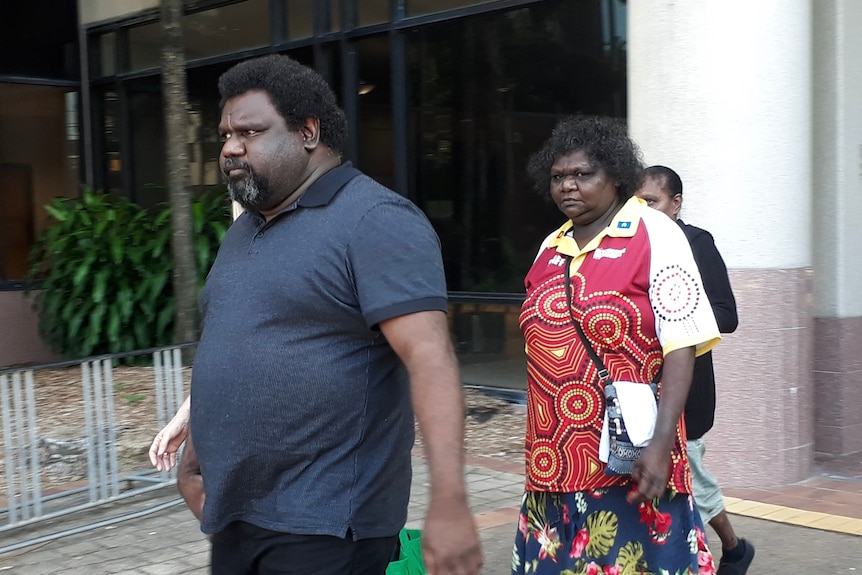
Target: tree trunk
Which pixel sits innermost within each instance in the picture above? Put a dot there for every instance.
(175, 99)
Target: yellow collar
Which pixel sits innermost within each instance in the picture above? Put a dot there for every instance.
(624, 225)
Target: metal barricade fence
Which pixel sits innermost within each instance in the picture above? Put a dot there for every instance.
(24, 499)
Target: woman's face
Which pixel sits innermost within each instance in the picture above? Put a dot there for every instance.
(582, 191)
(658, 197)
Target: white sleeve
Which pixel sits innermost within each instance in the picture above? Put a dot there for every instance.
(683, 316)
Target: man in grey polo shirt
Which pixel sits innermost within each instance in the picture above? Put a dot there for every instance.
(324, 320)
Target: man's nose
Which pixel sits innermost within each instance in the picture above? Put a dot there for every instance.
(232, 147)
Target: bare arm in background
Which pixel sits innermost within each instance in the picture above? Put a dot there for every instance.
(166, 443)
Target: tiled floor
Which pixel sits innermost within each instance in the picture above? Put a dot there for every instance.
(831, 499)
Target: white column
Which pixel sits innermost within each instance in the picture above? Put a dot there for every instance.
(837, 232)
(721, 91)
(838, 158)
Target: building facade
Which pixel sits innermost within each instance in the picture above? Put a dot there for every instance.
(752, 104)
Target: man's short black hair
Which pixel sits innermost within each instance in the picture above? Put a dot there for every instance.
(297, 93)
(605, 143)
(667, 179)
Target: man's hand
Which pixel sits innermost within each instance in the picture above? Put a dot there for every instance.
(450, 544)
(189, 481)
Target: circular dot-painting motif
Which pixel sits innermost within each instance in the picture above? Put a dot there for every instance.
(675, 294)
(608, 324)
(545, 462)
(552, 307)
(580, 405)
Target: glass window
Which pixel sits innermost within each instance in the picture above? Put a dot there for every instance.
(335, 15)
(375, 109)
(212, 32)
(419, 7)
(145, 44)
(204, 116)
(488, 340)
(227, 29)
(40, 39)
(147, 125)
(107, 54)
(38, 162)
(373, 12)
(300, 22)
(484, 93)
(112, 164)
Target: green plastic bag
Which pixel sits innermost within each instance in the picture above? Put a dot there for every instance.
(409, 560)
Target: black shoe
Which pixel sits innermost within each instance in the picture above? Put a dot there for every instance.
(740, 566)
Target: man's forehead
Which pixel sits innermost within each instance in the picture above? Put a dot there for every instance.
(247, 106)
(251, 101)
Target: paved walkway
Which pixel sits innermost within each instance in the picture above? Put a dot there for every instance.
(811, 527)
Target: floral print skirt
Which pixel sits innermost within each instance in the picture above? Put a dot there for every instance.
(597, 532)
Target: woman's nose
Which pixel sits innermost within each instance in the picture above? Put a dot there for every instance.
(569, 183)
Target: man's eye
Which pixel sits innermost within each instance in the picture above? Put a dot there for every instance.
(251, 132)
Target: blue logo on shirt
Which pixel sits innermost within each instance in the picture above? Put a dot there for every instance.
(624, 225)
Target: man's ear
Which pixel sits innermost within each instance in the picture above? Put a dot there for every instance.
(677, 204)
(310, 130)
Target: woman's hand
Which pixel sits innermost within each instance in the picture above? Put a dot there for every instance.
(163, 451)
(650, 474)
(652, 468)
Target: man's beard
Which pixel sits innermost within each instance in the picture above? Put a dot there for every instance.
(251, 190)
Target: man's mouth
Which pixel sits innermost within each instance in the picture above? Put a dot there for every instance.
(236, 169)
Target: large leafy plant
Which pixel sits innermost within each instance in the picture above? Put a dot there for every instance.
(105, 268)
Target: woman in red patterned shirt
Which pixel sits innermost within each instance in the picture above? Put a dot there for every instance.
(625, 274)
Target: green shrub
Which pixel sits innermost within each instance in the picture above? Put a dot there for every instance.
(105, 266)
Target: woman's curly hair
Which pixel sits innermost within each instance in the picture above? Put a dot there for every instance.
(605, 143)
(296, 91)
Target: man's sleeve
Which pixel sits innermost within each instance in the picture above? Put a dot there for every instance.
(395, 261)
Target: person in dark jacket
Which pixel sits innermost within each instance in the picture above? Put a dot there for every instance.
(661, 188)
